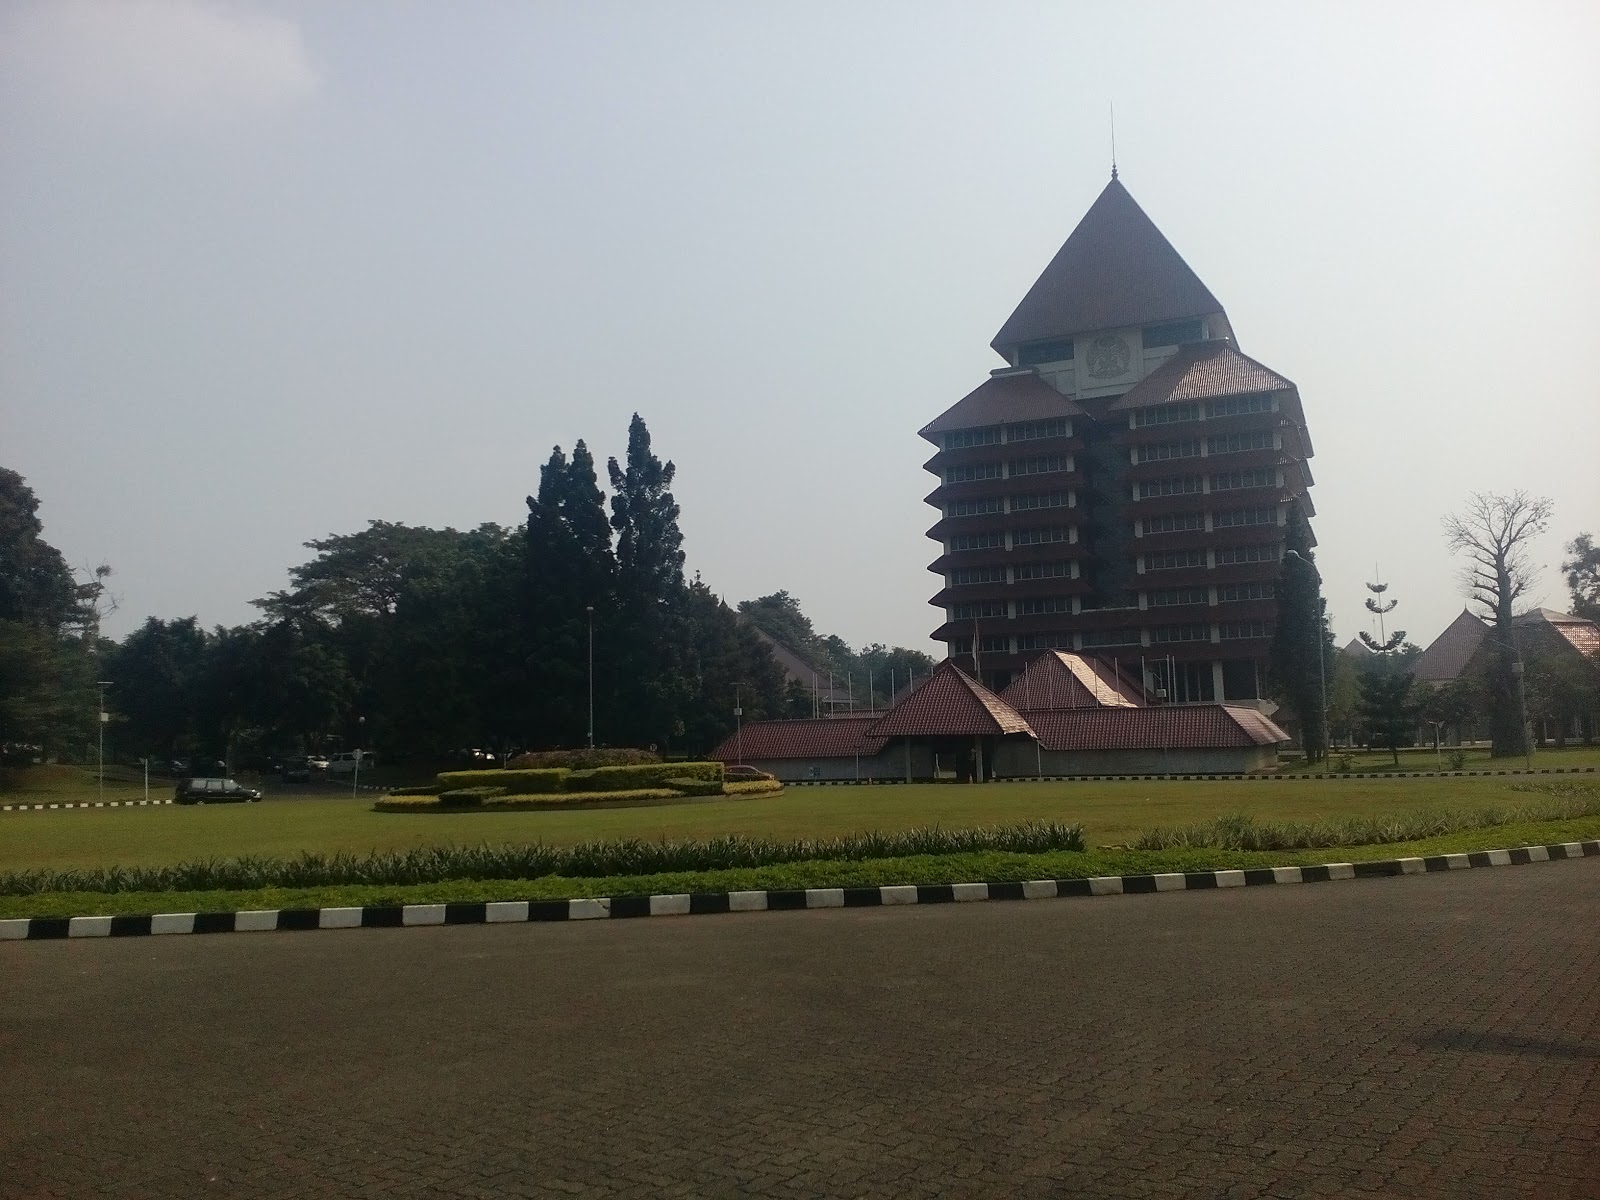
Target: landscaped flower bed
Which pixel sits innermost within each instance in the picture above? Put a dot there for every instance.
(561, 787)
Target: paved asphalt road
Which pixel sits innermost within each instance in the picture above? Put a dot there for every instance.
(1423, 1036)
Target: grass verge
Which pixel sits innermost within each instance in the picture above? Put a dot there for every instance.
(1243, 831)
(984, 866)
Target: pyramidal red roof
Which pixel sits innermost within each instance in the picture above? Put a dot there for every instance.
(1001, 400)
(1062, 679)
(950, 704)
(1115, 270)
(1201, 371)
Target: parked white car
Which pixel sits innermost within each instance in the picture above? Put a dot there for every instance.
(345, 764)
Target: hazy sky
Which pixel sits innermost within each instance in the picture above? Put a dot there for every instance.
(270, 270)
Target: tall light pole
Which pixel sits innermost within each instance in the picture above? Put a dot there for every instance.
(738, 725)
(590, 611)
(100, 728)
(355, 775)
(1322, 669)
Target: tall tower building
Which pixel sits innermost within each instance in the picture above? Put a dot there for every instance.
(1123, 485)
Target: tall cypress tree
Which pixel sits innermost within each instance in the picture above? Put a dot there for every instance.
(654, 674)
(1301, 637)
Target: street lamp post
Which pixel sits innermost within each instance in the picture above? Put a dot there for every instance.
(100, 729)
(355, 775)
(738, 726)
(590, 611)
(1322, 669)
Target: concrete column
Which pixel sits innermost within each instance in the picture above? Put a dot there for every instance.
(1216, 680)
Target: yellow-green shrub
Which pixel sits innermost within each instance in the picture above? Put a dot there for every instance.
(516, 782)
(641, 775)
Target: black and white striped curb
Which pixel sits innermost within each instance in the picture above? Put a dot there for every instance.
(688, 904)
(1250, 778)
(81, 804)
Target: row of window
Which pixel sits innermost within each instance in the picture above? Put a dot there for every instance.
(1045, 464)
(1192, 485)
(1190, 522)
(1177, 560)
(968, 576)
(1022, 537)
(1103, 639)
(1026, 502)
(1037, 606)
(995, 435)
(1233, 443)
(1178, 414)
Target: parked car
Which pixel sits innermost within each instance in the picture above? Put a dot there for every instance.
(294, 771)
(213, 790)
(316, 762)
(345, 763)
(744, 774)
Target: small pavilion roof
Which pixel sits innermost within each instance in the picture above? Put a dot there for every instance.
(1001, 400)
(1115, 270)
(1202, 371)
(1167, 726)
(1063, 679)
(950, 704)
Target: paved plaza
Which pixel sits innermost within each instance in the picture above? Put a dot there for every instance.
(1419, 1037)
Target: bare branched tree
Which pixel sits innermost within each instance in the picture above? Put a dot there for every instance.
(1494, 533)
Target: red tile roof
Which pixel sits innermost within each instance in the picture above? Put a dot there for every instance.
(1001, 400)
(1448, 654)
(950, 704)
(1114, 271)
(1580, 633)
(1173, 727)
(1062, 679)
(823, 737)
(1201, 371)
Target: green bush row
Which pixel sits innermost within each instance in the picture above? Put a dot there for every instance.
(470, 796)
(503, 803)
(584, 759)
(547, 780)
(421, 789)
(434, 864)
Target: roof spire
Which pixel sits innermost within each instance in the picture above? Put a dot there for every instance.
(1113, 104)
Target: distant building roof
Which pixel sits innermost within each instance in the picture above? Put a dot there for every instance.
(821, 737)
(1169, 726)
(797, 669)
(1578, 632)
(1357, 649)
(1448, 654)
(1062, 679)
(1115, 270)
(1002, 399)
(950, 704)
(1201, 371)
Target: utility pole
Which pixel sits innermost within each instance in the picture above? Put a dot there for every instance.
(102, 684)
(590, 611)
(738, 726)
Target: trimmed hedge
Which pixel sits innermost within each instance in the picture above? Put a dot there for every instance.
(695, 787)
(424, 804)
(514, 782)
(470, 796)
(421, 789)
(752, 787)
(642, 775)
(584, 759)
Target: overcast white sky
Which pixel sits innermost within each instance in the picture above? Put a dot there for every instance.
(270, 270)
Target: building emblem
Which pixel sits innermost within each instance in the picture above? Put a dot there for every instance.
(1109, 357)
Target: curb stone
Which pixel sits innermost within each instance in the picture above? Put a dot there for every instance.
(82, 804)
(690, 904)
(1258, 777)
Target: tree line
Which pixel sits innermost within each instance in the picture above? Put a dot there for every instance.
(417, 643)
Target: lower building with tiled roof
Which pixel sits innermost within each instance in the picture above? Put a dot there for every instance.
(1077, 715)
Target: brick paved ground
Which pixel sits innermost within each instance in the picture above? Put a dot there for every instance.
(1432, 1036)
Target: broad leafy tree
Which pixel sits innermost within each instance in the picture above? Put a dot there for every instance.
(1582, 569)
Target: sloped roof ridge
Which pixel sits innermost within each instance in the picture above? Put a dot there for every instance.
(1115, 269)
(926, 712)
(1202, 370)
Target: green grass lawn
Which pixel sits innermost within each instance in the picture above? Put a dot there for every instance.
(1424, 759)
(1112, 812)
